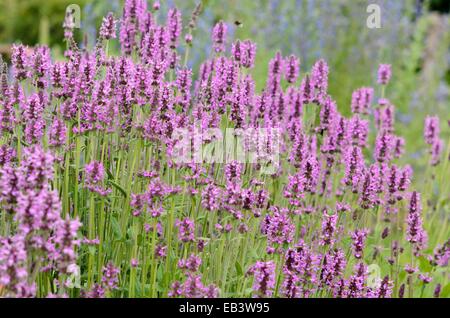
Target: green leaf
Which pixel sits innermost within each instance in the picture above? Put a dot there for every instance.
(109, 173)
(133, 231)
(91, 249)
(159, 273)
(159, 288)
(118, 187)
(248, 291)
(254, 254)
(239, 270)
(402, 276)
(445, 291)
(424, 265)
(116, 229)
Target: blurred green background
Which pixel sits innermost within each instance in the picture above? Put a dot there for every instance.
(414, 38)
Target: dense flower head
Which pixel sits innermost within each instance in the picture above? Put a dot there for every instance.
(95, 172)
(340, 288)
(127, 35)
(264, 278)
(292, 69)
(295, 188)
(290, 288)
(359, 238)
(299, 150)
(156, 5)
(426, 279)
(436, 151)
(371, 186)
(186, 228)
(13, 272)
(405, 178)
(10, 187)
(160, 251)
(40, 65)
(386, 118)
(97, 291)
(38, 213)
(307, 89)
(362, 100)
(414, 219)
(311, 173)
(356, 285)
(278, 227)
(432, 129)
(384, 147)
(7, 155)
(328, 113)
(192, 263)
(193, 287)
(354, 167)
(329, 222)
(385, 288)
(33, 113)
(110, 277)
(238, 51)
(399, 147)
(333, 266)
(19, 59)
(184, 80)
(437, 291)
(357, 131)
(174, 25)
(233, 171)
(319, 76)
(36, 168)
(7, 116)
(108, 27)
(64, 243)
(219, 35)
(384, 74)
(58, 133)
(441, 254)
(211, 197)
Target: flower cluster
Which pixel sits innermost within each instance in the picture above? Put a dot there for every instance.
(41, 238)
(90, 149)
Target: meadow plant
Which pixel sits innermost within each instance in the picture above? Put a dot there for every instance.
(91, 179)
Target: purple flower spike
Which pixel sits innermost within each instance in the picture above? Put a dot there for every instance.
(384, 74)
(95, 172)
(362, 100)
(186, 228)
(264, 278)
(174, 26)
(58, 133)
(414, 230)
(108, 27)
(359, 238)
(292, 69)
(211, 197)
(431, 131)
(329, 223)
(319, 76)
(110, 277)
(219, 36)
